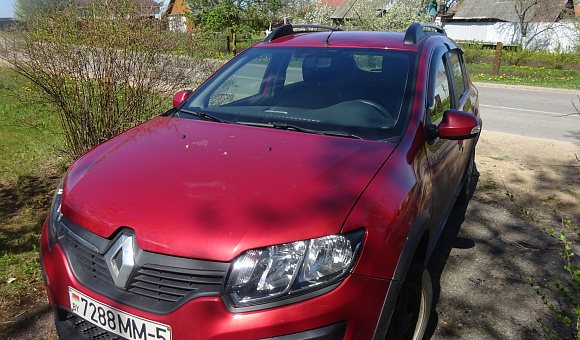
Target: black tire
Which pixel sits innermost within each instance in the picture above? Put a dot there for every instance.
(468, 182)
(413, 307)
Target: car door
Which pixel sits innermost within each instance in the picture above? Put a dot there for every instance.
(447, 159)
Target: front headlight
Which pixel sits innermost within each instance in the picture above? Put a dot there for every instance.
(283, 271)
(55, 215)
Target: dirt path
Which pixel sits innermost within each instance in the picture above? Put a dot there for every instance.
(488, 248)
(491, 245)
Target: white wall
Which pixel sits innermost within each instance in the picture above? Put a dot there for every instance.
(177, 23)
(541, 36)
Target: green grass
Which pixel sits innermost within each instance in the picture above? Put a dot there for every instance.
(29, 171)
(525, 75)
(28, 129)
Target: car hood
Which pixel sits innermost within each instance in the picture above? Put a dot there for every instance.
(210, 191)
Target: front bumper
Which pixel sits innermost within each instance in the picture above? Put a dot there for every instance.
(350, 311)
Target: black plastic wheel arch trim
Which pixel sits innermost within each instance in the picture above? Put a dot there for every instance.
(330, 332)
(420, 226)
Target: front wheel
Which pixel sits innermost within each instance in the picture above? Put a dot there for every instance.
(413, 306)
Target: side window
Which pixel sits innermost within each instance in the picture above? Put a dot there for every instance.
(241, 85)
(294, 70)
(369, 63)
(441, 93)
(458, 73)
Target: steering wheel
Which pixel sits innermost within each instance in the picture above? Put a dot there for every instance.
(379, 108)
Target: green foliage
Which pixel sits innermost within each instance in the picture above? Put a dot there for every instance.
(517, 56)
(231, 16)
(103, 68)
(224, 15)
(558, 60)
(474, 51)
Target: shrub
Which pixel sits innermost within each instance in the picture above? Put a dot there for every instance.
(517, 56)
(559, 59)
(474, 52)
(104, 68)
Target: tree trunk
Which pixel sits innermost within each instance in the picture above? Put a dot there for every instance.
(524, 32)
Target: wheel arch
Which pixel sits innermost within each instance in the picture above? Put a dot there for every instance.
(415, 248)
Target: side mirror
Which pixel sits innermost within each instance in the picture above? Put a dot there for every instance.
(180, 97)
(455, 125)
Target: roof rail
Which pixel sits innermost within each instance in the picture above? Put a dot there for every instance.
(288, 29)
(416, 32)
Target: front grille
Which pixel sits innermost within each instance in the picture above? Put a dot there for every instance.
(171, 284)
(158, 284)
(87, 261)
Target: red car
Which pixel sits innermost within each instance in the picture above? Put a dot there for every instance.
(298, 193)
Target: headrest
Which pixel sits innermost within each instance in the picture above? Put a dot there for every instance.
(315, 69)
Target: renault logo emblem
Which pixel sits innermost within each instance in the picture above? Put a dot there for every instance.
(120, 260)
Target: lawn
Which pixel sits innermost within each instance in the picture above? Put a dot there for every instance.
(525, 75)
(30, 168)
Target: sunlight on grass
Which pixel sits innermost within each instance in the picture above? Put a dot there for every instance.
(525, 75)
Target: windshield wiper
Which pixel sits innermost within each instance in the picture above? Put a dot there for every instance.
(290, 127)
(281, 126)
(345, 134)
(204, 115)
(284, 126)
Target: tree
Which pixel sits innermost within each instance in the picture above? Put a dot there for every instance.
(317, 13)
(231, 16)
(306, 12)
(377, 15)
(28, 10)
(528, 11)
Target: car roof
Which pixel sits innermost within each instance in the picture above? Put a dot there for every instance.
(378, 40)
(334, 37)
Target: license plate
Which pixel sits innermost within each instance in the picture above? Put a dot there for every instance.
(116, 321)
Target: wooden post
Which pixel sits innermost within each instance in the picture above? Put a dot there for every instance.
(235, 43)
(497, 59)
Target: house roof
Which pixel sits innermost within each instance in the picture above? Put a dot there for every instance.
(504, 10)
(344, 10)
(177, 7)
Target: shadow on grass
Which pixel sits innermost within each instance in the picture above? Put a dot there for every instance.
(23, 207)
(35, 324)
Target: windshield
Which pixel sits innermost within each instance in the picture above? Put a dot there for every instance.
(363, 93)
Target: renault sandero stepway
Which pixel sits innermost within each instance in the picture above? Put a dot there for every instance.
(298, 193)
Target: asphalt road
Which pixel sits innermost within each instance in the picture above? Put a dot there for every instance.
(530, 112)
